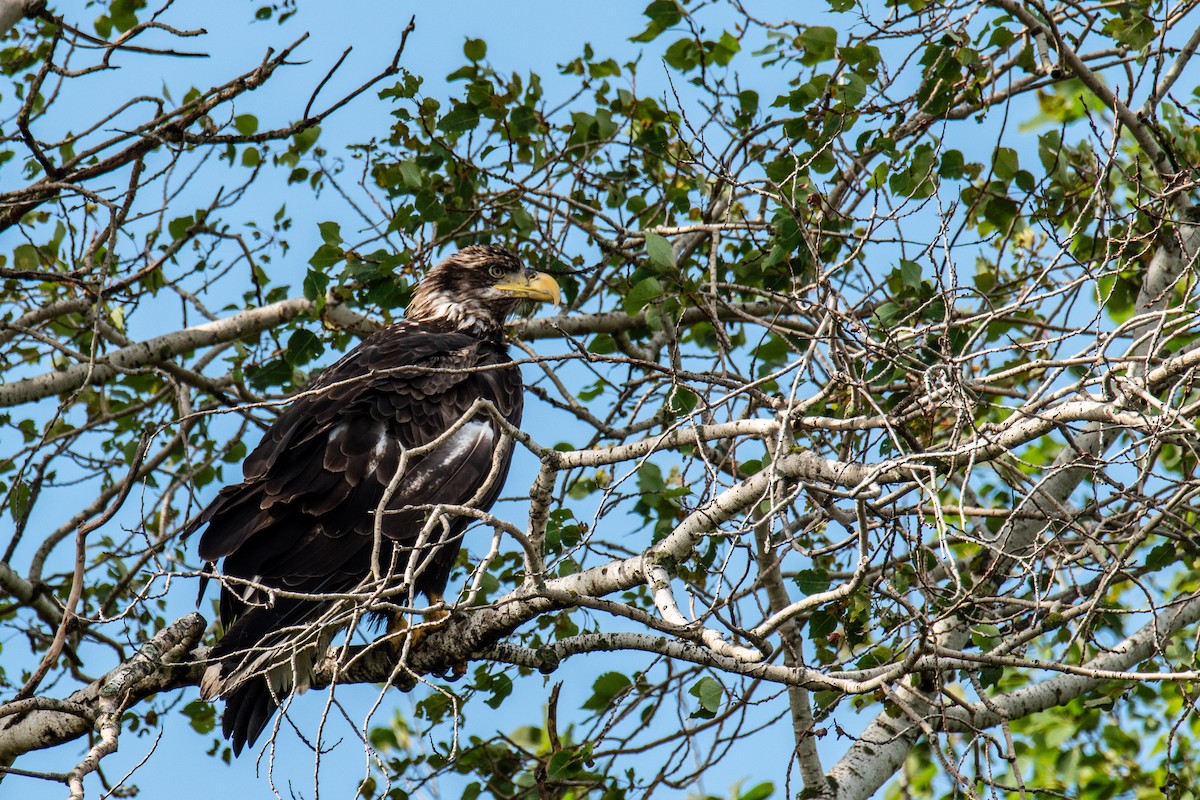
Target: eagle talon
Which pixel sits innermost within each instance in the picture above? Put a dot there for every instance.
(399, 631)
(405, 681)
(455, 672)
(401, 634)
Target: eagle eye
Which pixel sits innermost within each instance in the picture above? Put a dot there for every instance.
(496, 271)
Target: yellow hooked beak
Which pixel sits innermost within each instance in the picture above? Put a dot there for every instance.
(539, 286)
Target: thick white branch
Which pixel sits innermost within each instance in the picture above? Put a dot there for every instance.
(664, 600)
(162, 348)
(152, 351)
(1063, 688)
(162, 663)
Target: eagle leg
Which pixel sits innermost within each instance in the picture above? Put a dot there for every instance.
(398, 630)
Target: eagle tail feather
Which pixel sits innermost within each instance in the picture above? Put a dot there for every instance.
(248, 709)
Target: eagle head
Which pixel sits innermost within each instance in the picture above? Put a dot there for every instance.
(477, 288)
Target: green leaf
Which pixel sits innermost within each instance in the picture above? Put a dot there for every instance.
(434, 707)
(874, 658)
(709, 693)
(683, 55)
(568, 765)
(851, 92)
(201, 716)
(663, 14)
(404, 89)
(659, 251)
(265, 376)
(1001, 212)
(748, 102)
(315, 285)
(124, 15)
(463, 117)
(606, 687)
(475, 49)
(650, 478)
(302, 347)
(331, 233)
(819, 43)
(19, 499)
(251, 157)
(983, 635)
(821, 623)
(682, 401)
(604, 69)
(523, 120)
(178, 227)
(303, 140)
(522, 221)
(910, 273)
(951, 166)
(410, 174)
(1133, 28)
(429, 205)
(1005, 162)
(725, 49)
(812, 581)
(887, 313)
(246, 124)
(642, 294)
(1161, 556)
(501, 686)
(236, 453)
(990, 676)
(1001, 38)
(760, 792)
(326, 256)
(985, 275)
(25, 256)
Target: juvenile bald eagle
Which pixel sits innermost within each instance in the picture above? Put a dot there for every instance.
(304, 519)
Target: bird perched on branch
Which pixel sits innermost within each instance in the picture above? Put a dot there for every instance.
(338, 500)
